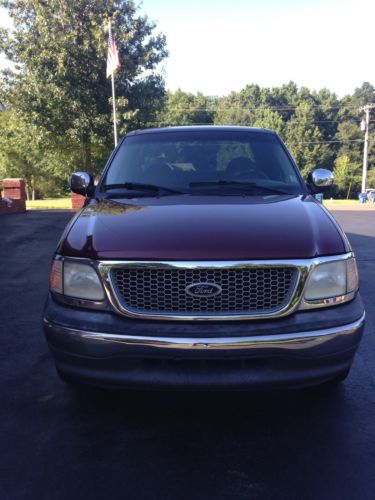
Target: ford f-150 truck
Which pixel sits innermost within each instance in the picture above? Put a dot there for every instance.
(202, 259)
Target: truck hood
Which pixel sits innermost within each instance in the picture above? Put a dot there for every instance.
(186, 227)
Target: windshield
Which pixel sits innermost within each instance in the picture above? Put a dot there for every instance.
(204, 161)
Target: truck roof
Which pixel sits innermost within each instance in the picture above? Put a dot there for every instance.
(197, 128)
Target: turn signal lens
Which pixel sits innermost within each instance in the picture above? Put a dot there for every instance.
(55, 277)
(352, 276)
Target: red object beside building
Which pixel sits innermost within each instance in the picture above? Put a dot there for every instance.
(13, 196)
(77, 201)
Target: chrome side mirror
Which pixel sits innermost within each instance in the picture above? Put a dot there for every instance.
(321, 178)
(82, 183)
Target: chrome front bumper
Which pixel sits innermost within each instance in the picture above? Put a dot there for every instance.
(305, 343)
(279, 360)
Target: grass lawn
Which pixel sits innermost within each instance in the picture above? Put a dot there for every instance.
(348, 205)
(341, 202)
(61, 203)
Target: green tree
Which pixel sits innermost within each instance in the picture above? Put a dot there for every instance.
(347, 176)
(185, 108)
(231, 112)
(371, 178)
(29, 152)
(266, 118)
(350, 117)
(350, 139)
(238, 108)
(59, 83)
(284, 98)
(305, 139)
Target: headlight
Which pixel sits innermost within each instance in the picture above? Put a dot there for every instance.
(75, 279)
(81, 281)
(332, 279)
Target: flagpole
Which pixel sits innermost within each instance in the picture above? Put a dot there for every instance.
(114, 109)
(113, 92)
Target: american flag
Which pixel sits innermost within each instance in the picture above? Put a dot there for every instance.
(113, 61)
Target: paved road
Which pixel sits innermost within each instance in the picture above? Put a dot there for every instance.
(59, 443)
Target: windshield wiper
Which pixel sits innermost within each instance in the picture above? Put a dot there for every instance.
(141, 186)
(248, 186)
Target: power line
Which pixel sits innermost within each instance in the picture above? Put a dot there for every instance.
(273, 108)
(333, 142)
(314, 121)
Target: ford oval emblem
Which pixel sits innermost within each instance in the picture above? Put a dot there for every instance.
(203, 289)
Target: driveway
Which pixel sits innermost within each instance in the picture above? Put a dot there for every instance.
(64, 443)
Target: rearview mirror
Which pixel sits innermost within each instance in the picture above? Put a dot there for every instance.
(82, 183)
(321, 179)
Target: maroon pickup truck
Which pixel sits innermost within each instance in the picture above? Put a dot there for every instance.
(202, 260)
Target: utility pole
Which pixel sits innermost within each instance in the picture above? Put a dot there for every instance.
(365, 128)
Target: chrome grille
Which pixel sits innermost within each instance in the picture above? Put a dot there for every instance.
(244, 290)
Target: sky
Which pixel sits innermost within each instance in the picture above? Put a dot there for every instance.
(219, 46)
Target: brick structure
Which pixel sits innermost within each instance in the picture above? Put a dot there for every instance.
(77, 201)
(13, 196)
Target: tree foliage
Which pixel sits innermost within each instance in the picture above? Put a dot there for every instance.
(305, 140)
(185, 108)
(59, 83)
(347, 176)
(266, 118)
(27, 151)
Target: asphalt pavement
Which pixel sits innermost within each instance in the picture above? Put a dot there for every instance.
(62, 443)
